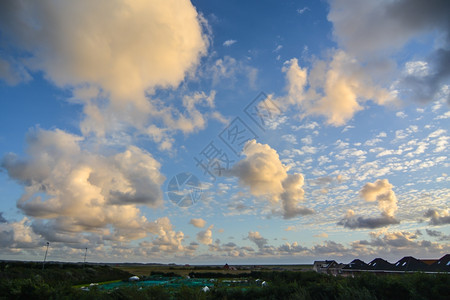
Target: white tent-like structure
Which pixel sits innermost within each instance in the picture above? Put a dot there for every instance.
(133, 278)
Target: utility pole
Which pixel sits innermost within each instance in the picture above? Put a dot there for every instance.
(85, 252)
(45, 257)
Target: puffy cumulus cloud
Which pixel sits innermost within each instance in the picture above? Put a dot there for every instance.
(329, 248)
(256, 238)
(291, 195)
(292, 249)
(168, 240)
(437, 217)
(199, 223)
(122, 50)
(381, 192)
(397, 241)
(265, 175)
(334, 89)
(18, 235)
(205, 236)
(352, 221)
(358, 29)
(76, 193)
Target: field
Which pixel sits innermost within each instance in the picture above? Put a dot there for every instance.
(147, 269)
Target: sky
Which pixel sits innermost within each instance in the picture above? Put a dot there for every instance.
(213, 132)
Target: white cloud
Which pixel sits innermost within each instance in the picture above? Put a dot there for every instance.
(301, 11)
(205, 237)
(167, 42)
(256, 238)
(199, 223)
(401, 114)
(228, 43)
(381, 192)
(263, 173)
(358, 30)
(336, 88)
(73, 190)
(228, 69)
(438, 217)
(167, 240)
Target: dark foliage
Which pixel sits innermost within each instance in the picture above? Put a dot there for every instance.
(31, 282)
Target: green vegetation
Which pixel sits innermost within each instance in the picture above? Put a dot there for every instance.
(57, 281)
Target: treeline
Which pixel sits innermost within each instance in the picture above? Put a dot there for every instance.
(37, 284)
(57, 273)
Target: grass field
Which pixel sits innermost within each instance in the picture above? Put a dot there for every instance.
(141, 269)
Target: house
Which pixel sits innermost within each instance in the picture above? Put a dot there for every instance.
(410, 264)
(356, 266)
(442, 265)
(328, 267)
(321, 266)
(380, 265)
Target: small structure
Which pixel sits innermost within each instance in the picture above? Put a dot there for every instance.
(133, 278)
(328, 267)
(205, 289)
(227, 267)
(321, 266)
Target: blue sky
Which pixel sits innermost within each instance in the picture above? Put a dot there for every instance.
(316, 130)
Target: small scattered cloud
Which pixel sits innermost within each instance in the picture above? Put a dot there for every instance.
(321, 235)
(199, 223)
(278, 48)
(228, 43)
(301, 11)
(401, 114)
(289, 228)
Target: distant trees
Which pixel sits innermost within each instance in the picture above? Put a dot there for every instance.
(22, 281)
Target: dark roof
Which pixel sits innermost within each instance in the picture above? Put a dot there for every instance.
(442, 265)
(380, 264)
(409, 263)
(356, 264)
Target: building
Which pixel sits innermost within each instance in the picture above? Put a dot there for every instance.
(328, 267)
